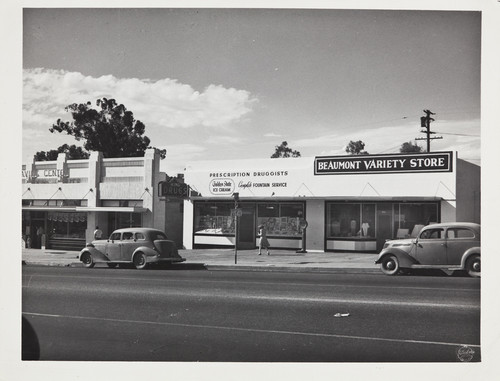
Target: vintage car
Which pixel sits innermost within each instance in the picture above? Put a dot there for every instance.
(137, 246)
(445, 246)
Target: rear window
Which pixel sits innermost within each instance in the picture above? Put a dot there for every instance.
(158, 235)
(457, 233)
(140, 236)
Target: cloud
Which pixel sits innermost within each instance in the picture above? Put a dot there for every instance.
(462, 136)
(165, 103)
(178, 155)
(272, 135)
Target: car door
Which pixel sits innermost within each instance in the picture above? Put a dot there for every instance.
(431, 247)
(113, 247)
(128, 245)
(458, 241)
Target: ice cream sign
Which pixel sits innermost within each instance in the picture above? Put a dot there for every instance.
(222, 186)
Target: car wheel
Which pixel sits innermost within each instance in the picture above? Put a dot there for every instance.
(390, 265)
(140, 261)
(473, 266)
(87, 261)
(111, 265)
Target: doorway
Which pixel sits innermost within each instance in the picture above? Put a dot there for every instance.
(246, 228)
(384, 224)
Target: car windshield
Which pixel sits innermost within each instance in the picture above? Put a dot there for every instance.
(158, 235)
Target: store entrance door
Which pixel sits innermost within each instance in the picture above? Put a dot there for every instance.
(384, 224)
(246, 228)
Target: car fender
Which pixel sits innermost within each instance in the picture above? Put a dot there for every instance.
(96, 254)
(468, 253)
(405, 260)
(144, 249)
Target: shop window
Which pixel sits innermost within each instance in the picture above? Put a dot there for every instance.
(66, 225)
(343, 220)
(353, 221)
(214, 218)
(414, 217)
(118, 220)
(281, 219)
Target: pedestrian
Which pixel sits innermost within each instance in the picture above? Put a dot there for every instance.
(263, 242)
(97, 233)
(39, 235)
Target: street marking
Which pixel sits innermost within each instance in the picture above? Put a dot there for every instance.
(253, 330)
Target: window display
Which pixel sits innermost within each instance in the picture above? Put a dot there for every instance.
(214, 218)
(354, 221)
(281, 219)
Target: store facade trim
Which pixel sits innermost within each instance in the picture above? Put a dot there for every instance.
(351, 203)
(64, 200)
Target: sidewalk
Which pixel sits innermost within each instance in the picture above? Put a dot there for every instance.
(224, 259)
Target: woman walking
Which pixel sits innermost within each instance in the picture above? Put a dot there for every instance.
(263, 242)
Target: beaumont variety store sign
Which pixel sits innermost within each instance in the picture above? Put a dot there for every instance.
(395, 163)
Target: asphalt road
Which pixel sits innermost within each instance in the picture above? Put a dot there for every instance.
(176, 315)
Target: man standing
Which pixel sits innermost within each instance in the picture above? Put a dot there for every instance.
(97, 233)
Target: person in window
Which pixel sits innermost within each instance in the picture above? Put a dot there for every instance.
(263, 242)
(97, 233)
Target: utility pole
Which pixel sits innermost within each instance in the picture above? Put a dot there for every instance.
(425, 122)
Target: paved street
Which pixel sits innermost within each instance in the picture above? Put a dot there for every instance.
(203, 315)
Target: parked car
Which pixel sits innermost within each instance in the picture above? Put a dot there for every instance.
(445, 246)
(137, 246)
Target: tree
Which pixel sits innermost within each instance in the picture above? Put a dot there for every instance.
(73, 152)
(409, 147)
(284, 151)
(110, 129)
(356, 148)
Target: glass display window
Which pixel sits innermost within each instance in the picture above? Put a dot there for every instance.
(349, 220)
(412, 217)
(214, 218)
(281, 220)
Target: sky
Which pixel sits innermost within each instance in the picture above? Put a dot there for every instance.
(225, 84)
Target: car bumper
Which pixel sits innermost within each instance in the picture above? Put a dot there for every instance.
(154, 259)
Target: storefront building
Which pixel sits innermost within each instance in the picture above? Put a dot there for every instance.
(63, 201)
(350, 203)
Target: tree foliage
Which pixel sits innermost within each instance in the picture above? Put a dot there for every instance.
(284, 151)
(73, 153)
(110, 129)
(356, 148)
(410, 147)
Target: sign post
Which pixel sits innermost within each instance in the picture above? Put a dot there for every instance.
(237, 213)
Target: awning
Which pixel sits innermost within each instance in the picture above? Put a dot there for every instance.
(51, 208)
(124, 209)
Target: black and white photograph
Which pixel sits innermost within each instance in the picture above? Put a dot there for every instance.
(241, 191)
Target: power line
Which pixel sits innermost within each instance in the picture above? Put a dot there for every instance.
(450, 133)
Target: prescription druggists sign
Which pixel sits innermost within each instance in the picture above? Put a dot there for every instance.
(395, 163)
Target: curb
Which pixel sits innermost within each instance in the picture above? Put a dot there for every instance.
(326, 270)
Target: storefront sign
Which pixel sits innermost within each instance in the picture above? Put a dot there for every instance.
(222, 186)
(43, 173)
(173, 188)
(396, 163)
